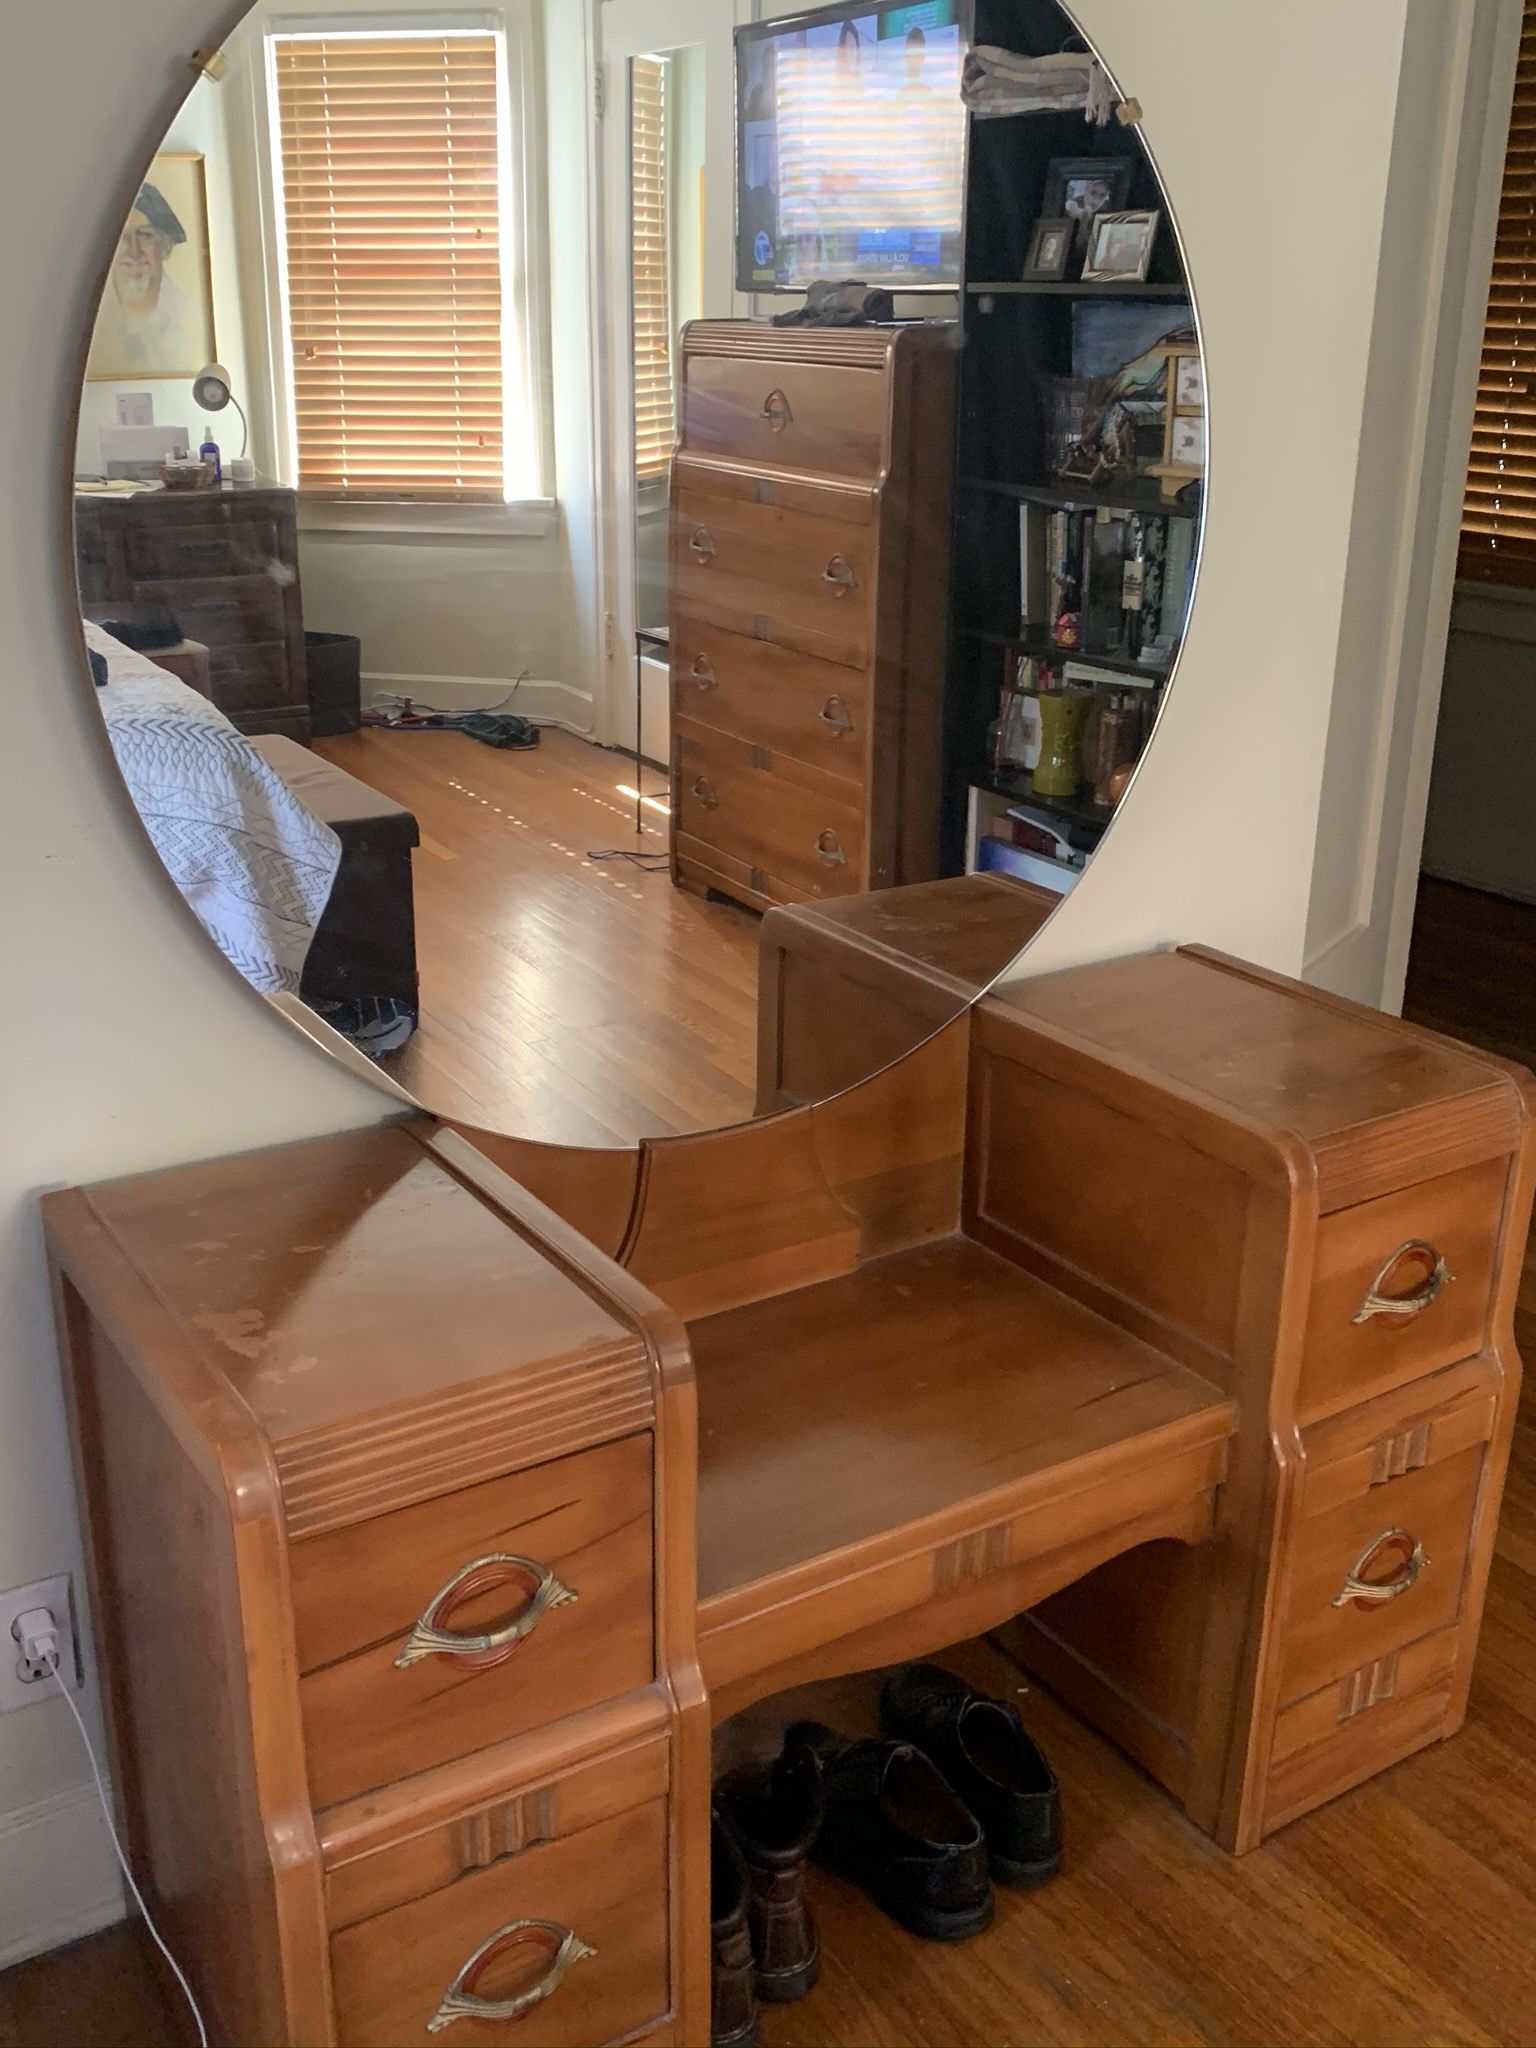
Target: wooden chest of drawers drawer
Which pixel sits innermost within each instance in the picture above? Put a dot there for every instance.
(820, 418)
(812, 710)
(186, 549)
(562, 1943)
(792, 565)
(768, 811)
(1401, 1286)
(563, 1551)
(1379, 1555)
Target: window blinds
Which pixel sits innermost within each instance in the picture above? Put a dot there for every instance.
(655, 404)
(393, 254)
(1498, 523)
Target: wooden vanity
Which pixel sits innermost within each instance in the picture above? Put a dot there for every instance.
(443, 1491)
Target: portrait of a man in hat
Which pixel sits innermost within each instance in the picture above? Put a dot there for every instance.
(156, 314)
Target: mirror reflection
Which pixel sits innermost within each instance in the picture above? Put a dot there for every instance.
(635, 637)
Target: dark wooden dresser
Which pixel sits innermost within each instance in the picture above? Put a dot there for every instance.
(809, 557)
(226, 562)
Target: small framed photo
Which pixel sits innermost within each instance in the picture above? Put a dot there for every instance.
(1050, 250)
(1078, 188)
(1119, 247)
(1189, 384)
(1186, 442)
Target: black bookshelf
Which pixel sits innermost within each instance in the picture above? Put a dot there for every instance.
(1080, 811)
(1109, 288)
(1150, 674)
(1017, 333)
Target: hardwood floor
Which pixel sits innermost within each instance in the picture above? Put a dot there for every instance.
(1472, 968)
(579, 1002)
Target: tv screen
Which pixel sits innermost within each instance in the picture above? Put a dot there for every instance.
(850, 147)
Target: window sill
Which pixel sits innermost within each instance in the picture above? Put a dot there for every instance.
(409, 519)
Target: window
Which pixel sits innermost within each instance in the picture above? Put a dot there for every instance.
(1498, 524)
(651, 257)
(392, 150)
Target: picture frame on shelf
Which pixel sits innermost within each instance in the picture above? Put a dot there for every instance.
(1050, 249)
(1120, 247)
(1077, 188)
(1183, 419)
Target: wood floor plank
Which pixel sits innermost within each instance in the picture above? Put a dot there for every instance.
(576, 1001)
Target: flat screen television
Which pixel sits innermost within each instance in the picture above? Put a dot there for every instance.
(850, 147)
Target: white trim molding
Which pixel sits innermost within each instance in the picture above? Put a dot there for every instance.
(58, 1877)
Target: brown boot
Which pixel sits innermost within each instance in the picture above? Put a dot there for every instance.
(733, 2001)
(775, 1816)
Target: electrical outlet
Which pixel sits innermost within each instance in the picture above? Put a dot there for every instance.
(20, 1682)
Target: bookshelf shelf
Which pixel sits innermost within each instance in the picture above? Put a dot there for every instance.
(1063, 288)
(1038, 648)
(1133, 495)
(1080, 811)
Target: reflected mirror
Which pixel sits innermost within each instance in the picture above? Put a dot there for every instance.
(632, 610)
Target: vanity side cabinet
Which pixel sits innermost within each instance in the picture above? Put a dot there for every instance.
(1329, 1208)
(808, 567)
(388, 1483)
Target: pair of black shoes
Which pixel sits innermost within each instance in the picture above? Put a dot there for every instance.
(955, 1796)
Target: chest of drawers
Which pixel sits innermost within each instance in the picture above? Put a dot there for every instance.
(809, 551)
(226, 563)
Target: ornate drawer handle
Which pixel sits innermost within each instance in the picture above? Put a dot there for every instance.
(777, 411)
(1375, 1592)
(830, 850)
(834, 713)
(839, 573)
(702, 793)
(699, 540)
(430, 1638)
(562, 1946)
(702, 673)
(1430, 1288)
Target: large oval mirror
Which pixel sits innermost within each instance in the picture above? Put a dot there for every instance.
(560, 633)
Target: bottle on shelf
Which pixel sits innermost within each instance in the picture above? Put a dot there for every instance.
(1133, 589)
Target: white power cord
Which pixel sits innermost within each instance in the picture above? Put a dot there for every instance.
(38, 1635)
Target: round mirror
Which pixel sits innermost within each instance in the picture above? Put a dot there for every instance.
(634, 621)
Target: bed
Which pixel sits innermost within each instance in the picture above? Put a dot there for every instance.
(256, 865)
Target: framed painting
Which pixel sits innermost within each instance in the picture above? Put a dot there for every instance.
(156, 314)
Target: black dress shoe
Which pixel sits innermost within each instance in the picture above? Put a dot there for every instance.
(775, 1816)
(733, 1998)
(894, 1828)
(981, 1747)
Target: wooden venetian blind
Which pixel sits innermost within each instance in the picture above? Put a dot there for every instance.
(655, 398)
(1498, 524)
(393, 235)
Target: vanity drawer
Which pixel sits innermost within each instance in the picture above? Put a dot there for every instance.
(1379, 1549)
(818, 417)
(597, 1949)
(1446, 1231)
(795, 568)
(768, 812)
(813, 710)
(359, 1594)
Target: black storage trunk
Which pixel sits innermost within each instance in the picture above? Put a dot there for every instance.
(335, 665)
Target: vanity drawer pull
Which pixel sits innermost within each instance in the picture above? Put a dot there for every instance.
(839, 574)
(702, 792)
(777, 411)
(829, 848)
(703, 673)
(1361, 1590)
(834, 713)
(562, 1947)
(702, 544)
(1437, 1278)
(431, 1638)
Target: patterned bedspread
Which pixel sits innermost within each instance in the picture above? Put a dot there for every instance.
(254, 864)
